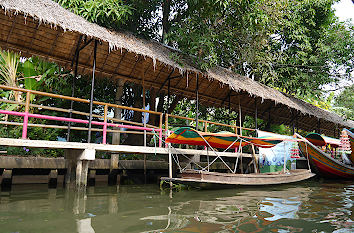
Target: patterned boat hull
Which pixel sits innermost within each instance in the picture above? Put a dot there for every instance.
(323, 164)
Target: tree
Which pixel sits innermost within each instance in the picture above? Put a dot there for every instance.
(297, 46)
(344, 103)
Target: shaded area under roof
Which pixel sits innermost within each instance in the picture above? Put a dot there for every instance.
(43, 28)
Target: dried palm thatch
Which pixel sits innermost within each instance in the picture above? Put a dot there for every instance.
(45, 29)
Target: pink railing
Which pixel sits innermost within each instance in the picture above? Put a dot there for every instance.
(26, 114)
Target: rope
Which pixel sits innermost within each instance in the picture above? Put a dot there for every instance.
(236, 163)
(178, 152)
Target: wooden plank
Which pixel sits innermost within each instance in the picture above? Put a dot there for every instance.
(16, 162)
(112, 148)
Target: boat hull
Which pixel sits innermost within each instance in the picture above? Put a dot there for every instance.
(323, 164)
(204, 178)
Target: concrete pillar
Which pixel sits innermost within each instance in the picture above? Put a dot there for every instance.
(77, 162)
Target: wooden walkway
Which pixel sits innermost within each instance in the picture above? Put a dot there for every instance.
(110, 148)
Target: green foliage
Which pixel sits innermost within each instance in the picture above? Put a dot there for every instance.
(298, 46)
(344, 103)
(8, 68)
(108, 13)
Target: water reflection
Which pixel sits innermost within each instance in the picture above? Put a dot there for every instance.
(241, 212)
(310, 206)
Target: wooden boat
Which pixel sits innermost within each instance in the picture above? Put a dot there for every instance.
(350, 133)
(203, 177)
(322, 163)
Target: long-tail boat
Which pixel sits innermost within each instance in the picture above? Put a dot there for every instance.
(321, 162)
(350, 133)
(225, 140)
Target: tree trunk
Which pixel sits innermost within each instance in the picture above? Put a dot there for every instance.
(118, 111)
(136, 139)
(174, 104)
(166, 8)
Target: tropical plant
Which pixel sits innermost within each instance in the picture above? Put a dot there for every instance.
(9, 62)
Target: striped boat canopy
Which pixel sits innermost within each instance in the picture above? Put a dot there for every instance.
(320, 140)
(189, 136)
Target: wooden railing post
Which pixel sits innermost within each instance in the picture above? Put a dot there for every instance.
(235, 127)
(105, 124)
(25, 118)
(160, 133)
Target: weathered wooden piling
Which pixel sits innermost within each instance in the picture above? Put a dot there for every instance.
(6, 180)
(53, 178)
(77, 166)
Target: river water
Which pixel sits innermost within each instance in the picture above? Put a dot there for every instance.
(312, 206)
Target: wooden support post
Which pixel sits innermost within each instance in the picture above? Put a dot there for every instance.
(170, 164)
(145, 168)
(92, 178)
(6, 180)
(255, 161)
(77, 167)
(113, 173)
(53, 178)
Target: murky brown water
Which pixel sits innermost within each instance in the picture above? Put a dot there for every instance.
(313, 206)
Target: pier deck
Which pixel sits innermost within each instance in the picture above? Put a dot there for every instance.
(111, 148)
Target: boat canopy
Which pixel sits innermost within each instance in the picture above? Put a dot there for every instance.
(320, 140)
(224, 140)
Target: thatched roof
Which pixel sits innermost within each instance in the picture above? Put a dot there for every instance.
(45, 29)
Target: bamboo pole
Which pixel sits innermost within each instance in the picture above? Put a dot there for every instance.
(77, 112)
(144, 107)
(77, 54)
(72, 127)
(255, 161)
(76, 99)
(92, 90)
